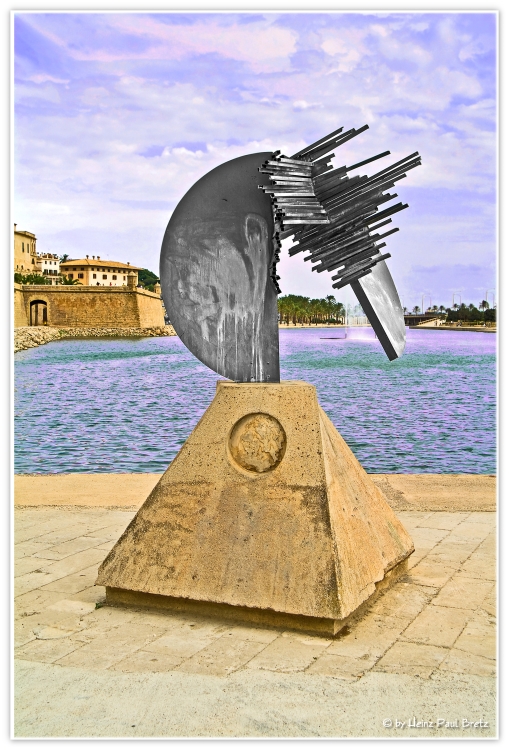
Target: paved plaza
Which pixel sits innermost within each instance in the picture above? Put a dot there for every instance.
(424, 651)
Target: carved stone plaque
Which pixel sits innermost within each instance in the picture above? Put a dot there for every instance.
(257, 443)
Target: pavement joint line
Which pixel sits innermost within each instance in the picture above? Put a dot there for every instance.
(430, 596)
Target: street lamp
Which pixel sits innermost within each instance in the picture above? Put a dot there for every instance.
(492, 295)
(453, 296)
(422, 301)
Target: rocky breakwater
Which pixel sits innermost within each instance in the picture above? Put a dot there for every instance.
(27, 337)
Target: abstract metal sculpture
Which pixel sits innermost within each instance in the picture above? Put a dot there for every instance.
(221, 247)
(265, 515)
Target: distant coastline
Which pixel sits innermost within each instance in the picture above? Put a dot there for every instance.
(480, 329)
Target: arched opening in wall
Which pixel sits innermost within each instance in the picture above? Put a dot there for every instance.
(38, 313)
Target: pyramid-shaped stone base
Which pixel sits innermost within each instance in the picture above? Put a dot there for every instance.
(265, 514)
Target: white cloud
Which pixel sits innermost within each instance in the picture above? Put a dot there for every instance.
(262, 44)
(303, 104)
(44, 78)
(346, 47)
(79, 147)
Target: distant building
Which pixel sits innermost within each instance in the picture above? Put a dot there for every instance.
(25, 254)
(48, 264)
(96, 272)
(28, 261)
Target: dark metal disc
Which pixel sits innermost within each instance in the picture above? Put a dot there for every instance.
(215, 263)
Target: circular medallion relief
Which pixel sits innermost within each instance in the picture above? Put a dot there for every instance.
(257, 443)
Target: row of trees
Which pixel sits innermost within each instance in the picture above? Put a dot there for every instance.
(35, 278)
(471, 314)
(297, 309)
(467, 313)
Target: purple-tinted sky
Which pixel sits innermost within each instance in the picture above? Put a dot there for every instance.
(117, 115)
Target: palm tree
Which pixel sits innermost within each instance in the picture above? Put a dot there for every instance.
(301, 309)
(484, 305)
(63, 258)
(70, 282)
(31, 278)
(416, 310)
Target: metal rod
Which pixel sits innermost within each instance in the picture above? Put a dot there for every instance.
(382, 224)
(364, 251)
(351, 275)
(337, 243)
(367, 161)
(341, 284)
(317, 143)
(388, 212)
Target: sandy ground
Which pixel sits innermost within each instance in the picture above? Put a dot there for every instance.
(420, 492)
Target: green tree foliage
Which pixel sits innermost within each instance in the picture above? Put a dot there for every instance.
(64, 257)
(490, 316)
(66, 281)
(297, 309)
(469, 314)
(147, 279)
(31, 278)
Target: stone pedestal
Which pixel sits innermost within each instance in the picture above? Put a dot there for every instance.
(264, 515)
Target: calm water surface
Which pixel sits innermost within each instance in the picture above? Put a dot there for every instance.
(127, 405)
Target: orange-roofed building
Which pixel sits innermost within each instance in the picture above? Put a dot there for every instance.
(95, 271)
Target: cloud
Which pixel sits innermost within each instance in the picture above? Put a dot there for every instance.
(45, 77)
(347, 48)
(471, 280)
(262, 44)
(117, 115)
(303, 104)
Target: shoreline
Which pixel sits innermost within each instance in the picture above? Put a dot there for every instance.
(478, 329)
(28, 337)
(417, 492)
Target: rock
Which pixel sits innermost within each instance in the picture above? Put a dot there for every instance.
(27, 337)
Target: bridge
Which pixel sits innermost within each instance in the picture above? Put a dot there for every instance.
(414, 320)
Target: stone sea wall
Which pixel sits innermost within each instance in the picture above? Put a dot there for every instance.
(26, 337)
(87, 306)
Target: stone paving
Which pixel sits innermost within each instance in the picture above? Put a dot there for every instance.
(425, 649)
(439, 620)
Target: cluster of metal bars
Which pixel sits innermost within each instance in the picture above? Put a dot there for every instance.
(332, 216)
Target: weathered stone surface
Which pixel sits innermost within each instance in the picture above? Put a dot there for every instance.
(308, 535)
(307, 686)
(92, 306)
(20, 315)
(440, 492)
(131, 490)
(418, 659)
(437, 626)
(467, 663)
(257, 443)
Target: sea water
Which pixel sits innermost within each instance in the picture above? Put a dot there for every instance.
(128, 405)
